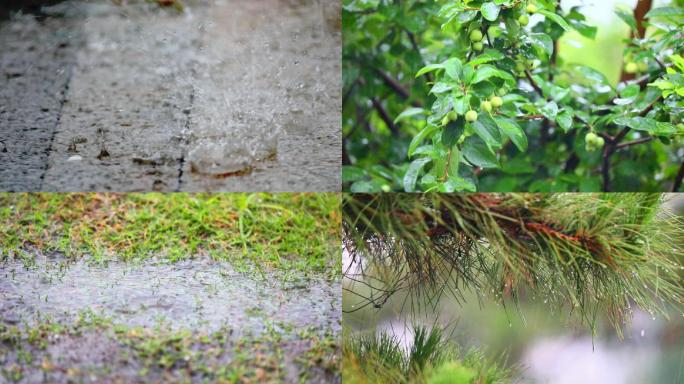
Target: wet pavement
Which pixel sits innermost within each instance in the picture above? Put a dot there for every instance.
(190, 294)
(230, 95)
(270, 315)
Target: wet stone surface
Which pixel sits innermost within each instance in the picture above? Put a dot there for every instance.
(230, 95)
(150, 307)
(36, 60)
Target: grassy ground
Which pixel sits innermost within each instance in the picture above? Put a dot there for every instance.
(45, 351)
(279, 234)
(274, 231)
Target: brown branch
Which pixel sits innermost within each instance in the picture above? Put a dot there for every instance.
(385, 117)
(536, 87)
(605, 168)
(678, 179)
(397, 87)
(530, 117)
(640, 11)
(634, 142)
(349, 91)
(392, 83)
(345, 155)
(414, 43)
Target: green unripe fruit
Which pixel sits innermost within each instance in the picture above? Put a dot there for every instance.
(600, 142)
(531, 8)
(643, 67)
(524, 20)
(519, 66)
(445, 120)
(452, 115)
(478, 46)
(494, 31)
(471, 116)
(680, 126)
(497, 101)
(386, 188)
(486, 106)
(631, 67)
(475, 35)
(590, 138)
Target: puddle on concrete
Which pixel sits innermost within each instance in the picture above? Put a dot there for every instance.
(196, 294)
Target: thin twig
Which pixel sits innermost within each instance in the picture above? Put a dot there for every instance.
(634, 142)
(385, 116)
(536, 87)
(678, 179)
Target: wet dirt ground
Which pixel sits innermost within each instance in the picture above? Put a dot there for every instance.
(231, 95)
(156, 321)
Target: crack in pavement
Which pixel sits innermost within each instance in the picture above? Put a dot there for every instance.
(62, 101)
(36, 61)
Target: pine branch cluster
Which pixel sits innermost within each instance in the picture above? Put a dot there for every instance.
(591, 253)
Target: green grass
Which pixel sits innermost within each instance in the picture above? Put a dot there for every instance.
(218, 356)
(272, 231)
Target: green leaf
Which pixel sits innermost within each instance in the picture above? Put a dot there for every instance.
(486, 128)
(441, 87)
(513, 131)
(592, 74)
(409, 113)
(429, 68)
(588, 31)
(555, 18)
(412, 173)
(665, 12)
(365, 187)
(457, 184)
(649, 125)
(564, 120)
(487, 71)
(453, 68)
(417, 139)
(454, 161)
(479, 154)
(488, 56)
(453, 131)
(627, 16)
(490, 11)
(550, 110)
(352, 173)
(461, 104)
(543, 41)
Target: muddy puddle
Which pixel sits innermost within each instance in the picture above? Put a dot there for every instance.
(197, 294)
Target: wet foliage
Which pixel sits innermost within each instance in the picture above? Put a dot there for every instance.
(455, 96)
